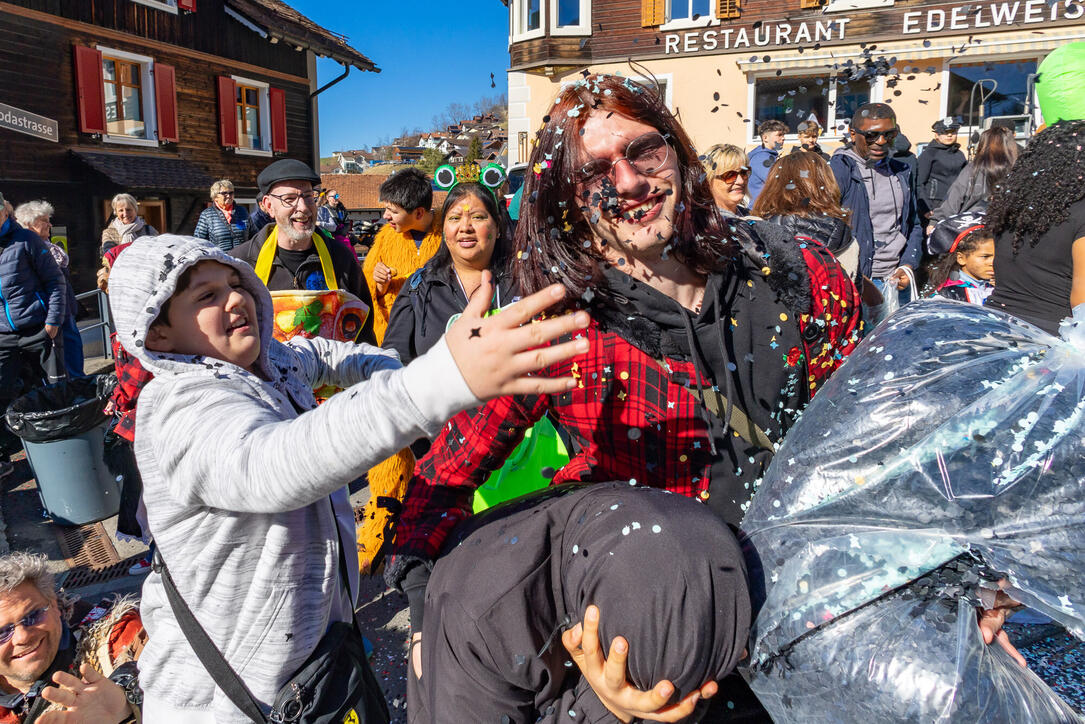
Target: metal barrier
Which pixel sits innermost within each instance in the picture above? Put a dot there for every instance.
(104, 323)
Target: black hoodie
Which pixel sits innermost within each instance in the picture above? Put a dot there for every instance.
(665, 572)
(939, 166)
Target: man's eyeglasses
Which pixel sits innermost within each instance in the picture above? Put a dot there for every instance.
(730, 176)
(31, 619)
(289, 200)
(225, 193)
(873, 136)
(646, 154)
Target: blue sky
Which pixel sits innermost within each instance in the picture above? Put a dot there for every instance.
(430, 54)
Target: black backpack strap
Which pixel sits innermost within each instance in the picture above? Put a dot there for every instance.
(209, 655)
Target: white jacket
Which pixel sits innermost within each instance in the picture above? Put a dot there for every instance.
(237, 481)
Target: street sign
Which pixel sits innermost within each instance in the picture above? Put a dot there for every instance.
(29, 123)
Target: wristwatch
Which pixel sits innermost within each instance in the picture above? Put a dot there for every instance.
(126, 676)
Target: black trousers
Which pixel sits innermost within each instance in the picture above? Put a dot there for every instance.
(27, 358)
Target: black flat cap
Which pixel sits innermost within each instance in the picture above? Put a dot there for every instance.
(286, 169)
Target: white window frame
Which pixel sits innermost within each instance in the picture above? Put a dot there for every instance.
(966, 131)
(668, 91)
(265, 117)
(846, 6)
(169, 6)
(582, 28)
(709, 19)
(518, 17)
(146, 82)
(830, 132)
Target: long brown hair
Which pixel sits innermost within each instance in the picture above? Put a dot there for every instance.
(554, 237)
(996, 154)
(800, 184)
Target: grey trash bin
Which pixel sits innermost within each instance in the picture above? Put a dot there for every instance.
(63, 430)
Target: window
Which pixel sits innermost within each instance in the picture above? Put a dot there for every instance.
(123, 82)
(570, 17)
(527, 19)
(252, 116)
(688, 9)
(248, 118)
(125, 98)
(170, 6)
(829, 100)
(995, 88)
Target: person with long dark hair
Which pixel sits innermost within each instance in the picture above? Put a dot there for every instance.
(995, 155)
(1037, 217)
(701, 352)
(475, 238)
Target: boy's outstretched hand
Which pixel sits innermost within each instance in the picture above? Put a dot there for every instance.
(607, 677)
(497, 354)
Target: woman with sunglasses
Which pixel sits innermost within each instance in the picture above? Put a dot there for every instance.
(727, 176)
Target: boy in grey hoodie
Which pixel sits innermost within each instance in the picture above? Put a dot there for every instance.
(239, 464)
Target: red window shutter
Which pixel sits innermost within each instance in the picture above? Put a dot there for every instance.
(227, 111)
(189, 5)
(277, 103)
(165, 101)
(90, 89)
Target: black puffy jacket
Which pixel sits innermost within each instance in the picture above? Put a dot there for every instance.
(939, 166)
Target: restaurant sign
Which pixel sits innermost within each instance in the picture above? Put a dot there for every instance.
(962, 18)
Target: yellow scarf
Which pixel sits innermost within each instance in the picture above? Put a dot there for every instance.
(267, 257)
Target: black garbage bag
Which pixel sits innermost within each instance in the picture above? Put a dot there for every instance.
(63, 410)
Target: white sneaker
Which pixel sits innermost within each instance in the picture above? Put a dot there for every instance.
(143, 565)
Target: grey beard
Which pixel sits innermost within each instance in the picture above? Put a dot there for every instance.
(294, 235)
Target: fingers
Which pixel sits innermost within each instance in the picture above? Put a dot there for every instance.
(90, 674)
(531, 306)
(1004, 642)
(678, 711)
(589, 641)
(709, 690)
(68, 681)
(614, 668)
(479, 303)
(530, 360)
(64, 697)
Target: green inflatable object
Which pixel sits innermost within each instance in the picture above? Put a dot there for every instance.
(522, 473)
(1059, 83)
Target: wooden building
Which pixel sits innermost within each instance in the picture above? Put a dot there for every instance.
(157, 98)
(726, 65)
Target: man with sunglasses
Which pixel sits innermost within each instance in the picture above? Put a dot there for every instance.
(288, 196)
(40, 663)
(880, 192)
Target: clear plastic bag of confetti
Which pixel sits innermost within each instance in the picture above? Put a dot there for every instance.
(951, 445)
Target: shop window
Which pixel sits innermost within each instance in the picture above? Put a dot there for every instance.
(570, 17)
(527, 19)
(996, 88)
(126, 98)
(829, 100)
(688, 9)
(252, 116)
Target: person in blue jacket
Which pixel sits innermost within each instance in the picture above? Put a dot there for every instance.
(223, 222)
(880, 192)
(760, 159)
(33, 297)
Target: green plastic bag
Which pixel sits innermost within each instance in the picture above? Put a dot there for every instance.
(522, 473)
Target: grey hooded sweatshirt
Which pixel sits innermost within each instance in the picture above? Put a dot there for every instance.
(240, 486)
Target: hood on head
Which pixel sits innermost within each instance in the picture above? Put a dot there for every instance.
(901, 145)
(661, 568)
(145, 275)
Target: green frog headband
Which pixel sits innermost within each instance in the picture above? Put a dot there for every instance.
(492, 175)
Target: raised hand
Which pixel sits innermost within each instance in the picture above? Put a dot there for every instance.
(93, 699)
(497, 354)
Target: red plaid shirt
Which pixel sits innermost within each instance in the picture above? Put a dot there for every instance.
(131, 378)
(631, 418)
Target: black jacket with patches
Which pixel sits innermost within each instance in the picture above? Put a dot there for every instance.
(665, 572)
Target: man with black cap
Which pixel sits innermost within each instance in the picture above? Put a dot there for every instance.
(288, 197)
(939, 165)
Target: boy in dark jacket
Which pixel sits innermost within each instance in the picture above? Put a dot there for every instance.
(32, 293)
(880, 192)
(670, 573)
(939, 165)
(760, 159)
